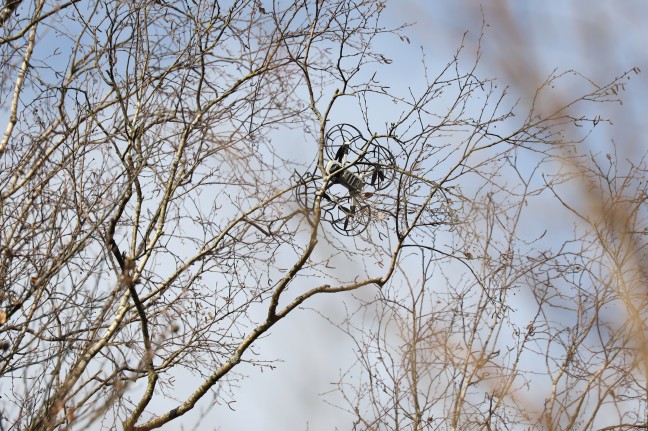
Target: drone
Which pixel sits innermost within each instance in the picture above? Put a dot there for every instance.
(354, 173)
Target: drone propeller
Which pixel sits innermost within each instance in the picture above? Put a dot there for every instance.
(342, 151)
(343, 140)
(349, 215)
(378, 174)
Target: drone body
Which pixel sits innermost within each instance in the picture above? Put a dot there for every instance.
(352, 182)
(356, 169)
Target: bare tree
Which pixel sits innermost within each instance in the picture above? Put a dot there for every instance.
(448, 351)
(152, 224)
(496, 323)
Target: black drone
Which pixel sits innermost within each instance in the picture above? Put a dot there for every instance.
(356, 170)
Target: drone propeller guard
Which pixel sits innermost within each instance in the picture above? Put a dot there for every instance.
(356, 169)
